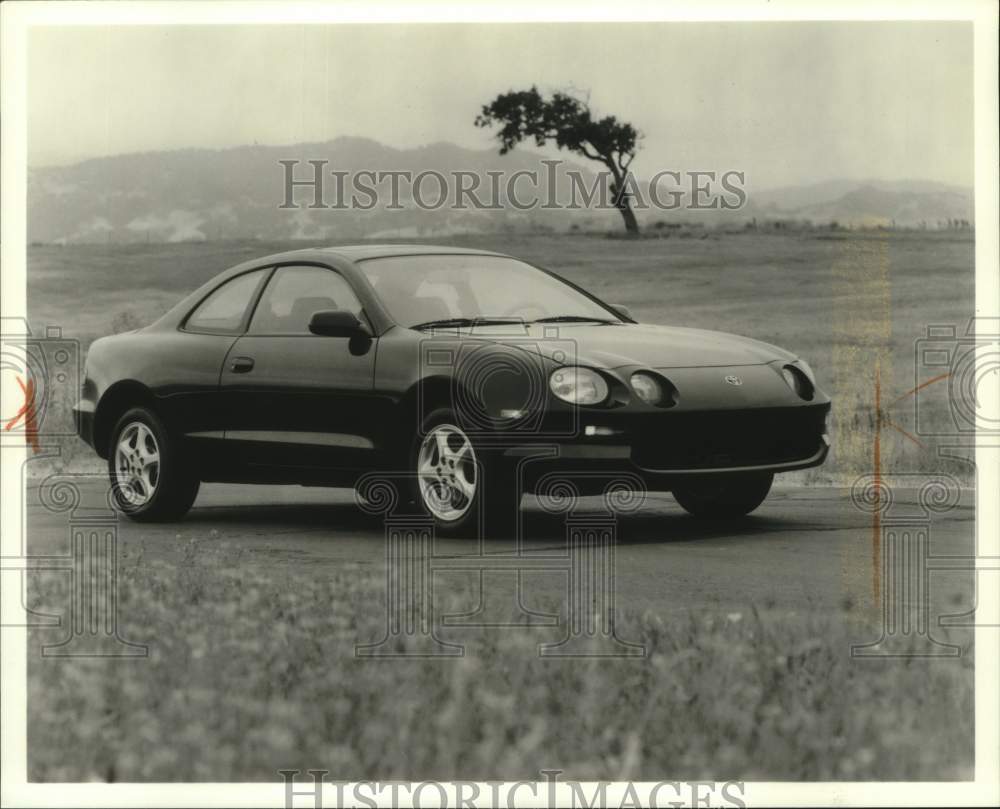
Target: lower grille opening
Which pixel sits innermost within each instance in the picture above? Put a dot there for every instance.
(720, 439)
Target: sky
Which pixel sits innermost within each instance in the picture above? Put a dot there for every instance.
(788, 103)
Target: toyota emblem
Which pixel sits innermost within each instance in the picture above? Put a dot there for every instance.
(734, 380)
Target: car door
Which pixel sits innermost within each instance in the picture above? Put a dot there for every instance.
(185, 369)
(297, 400)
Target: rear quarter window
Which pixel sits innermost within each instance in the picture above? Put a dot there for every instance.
(225, 309)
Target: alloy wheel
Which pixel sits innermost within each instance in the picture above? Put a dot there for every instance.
(447, 472)
(137, 464)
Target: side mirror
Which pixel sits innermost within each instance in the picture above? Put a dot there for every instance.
(622, 310)
(337, 323)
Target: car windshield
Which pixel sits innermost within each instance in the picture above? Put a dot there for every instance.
(468, 290)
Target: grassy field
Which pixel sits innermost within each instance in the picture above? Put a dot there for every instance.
(852, 304)
(250, 673)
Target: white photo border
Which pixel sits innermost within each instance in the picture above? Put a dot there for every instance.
(16, 18)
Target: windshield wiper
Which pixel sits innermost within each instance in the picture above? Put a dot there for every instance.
(465, 322)
(572, 319)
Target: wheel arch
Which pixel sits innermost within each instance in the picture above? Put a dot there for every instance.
(423, 397)
(116, 400)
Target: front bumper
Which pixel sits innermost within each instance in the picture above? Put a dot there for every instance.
(666, 447)
(83, 420)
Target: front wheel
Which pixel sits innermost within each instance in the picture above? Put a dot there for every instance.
(466, 490)
(151, 481)
(723, 497)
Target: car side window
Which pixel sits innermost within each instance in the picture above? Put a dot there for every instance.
(295, 294)
(224, 309)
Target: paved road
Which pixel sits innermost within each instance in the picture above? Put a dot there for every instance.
(805, 549)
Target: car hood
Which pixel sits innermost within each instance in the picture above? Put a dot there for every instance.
(614, 346)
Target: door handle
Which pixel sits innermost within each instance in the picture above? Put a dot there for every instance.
(241, 365)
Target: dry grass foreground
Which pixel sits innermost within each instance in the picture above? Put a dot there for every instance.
(250, 671)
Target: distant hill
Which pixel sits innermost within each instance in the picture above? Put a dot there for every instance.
(907, 203)
(871, 205)
(236, 193)
(196, 194)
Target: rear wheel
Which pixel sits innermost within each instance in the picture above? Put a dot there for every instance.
(150, 479)
(465, 489)
(723, 497)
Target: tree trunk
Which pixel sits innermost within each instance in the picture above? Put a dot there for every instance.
(622, 200)
(631, 223)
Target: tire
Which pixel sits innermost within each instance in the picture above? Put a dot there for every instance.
(151, 481)
(725, 497)
(468, 490)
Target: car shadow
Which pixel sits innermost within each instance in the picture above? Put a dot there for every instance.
(539, 529)
(338, 517)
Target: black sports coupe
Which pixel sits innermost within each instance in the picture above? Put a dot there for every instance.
(470, 376)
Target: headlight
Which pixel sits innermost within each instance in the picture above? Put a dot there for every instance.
(799, 381)
(646, 387)
(578, 385)
(803, 366)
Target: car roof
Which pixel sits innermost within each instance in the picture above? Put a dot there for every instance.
(360, 252)
(344, 255)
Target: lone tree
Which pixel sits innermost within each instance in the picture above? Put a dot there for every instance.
(567, 121)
